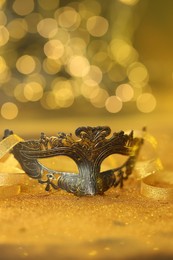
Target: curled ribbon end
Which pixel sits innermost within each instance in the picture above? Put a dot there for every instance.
(8, 143)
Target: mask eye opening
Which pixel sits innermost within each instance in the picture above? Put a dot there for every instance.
(61, 163)
(113, 161)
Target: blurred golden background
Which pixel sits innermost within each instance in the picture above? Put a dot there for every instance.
(84, 59)
(64, 64)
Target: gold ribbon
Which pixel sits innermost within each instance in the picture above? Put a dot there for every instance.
(146, 168)
(158, 186)
(10, 175)
(156, 182)
(8, 143)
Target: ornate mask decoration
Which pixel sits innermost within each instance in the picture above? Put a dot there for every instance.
(88, 149)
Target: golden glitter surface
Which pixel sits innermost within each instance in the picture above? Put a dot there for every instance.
(122, 224)
(119, 225)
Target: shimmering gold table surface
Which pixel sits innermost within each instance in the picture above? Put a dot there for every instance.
(122, 224)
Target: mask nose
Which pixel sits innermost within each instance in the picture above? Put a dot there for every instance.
(91, 188)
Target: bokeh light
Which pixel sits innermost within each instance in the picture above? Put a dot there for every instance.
(94, 76)
(77, 46)
(36, 77)
(25, 64)
(68, 18)
(146, 102)
(78, 66)
(48, 100)
(51, 66)
(64, 97)
(48, 5)
(125, 92)
(19, 93)
(17, 29)
(97, 26)
(54, 49)
(60, 54)
(33, 91)
(122, 52)
(47, 27)
(23, 7)
(9, 110)
(113, 104)
(137, 73)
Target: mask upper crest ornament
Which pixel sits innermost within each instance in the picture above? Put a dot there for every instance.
(88, 149)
